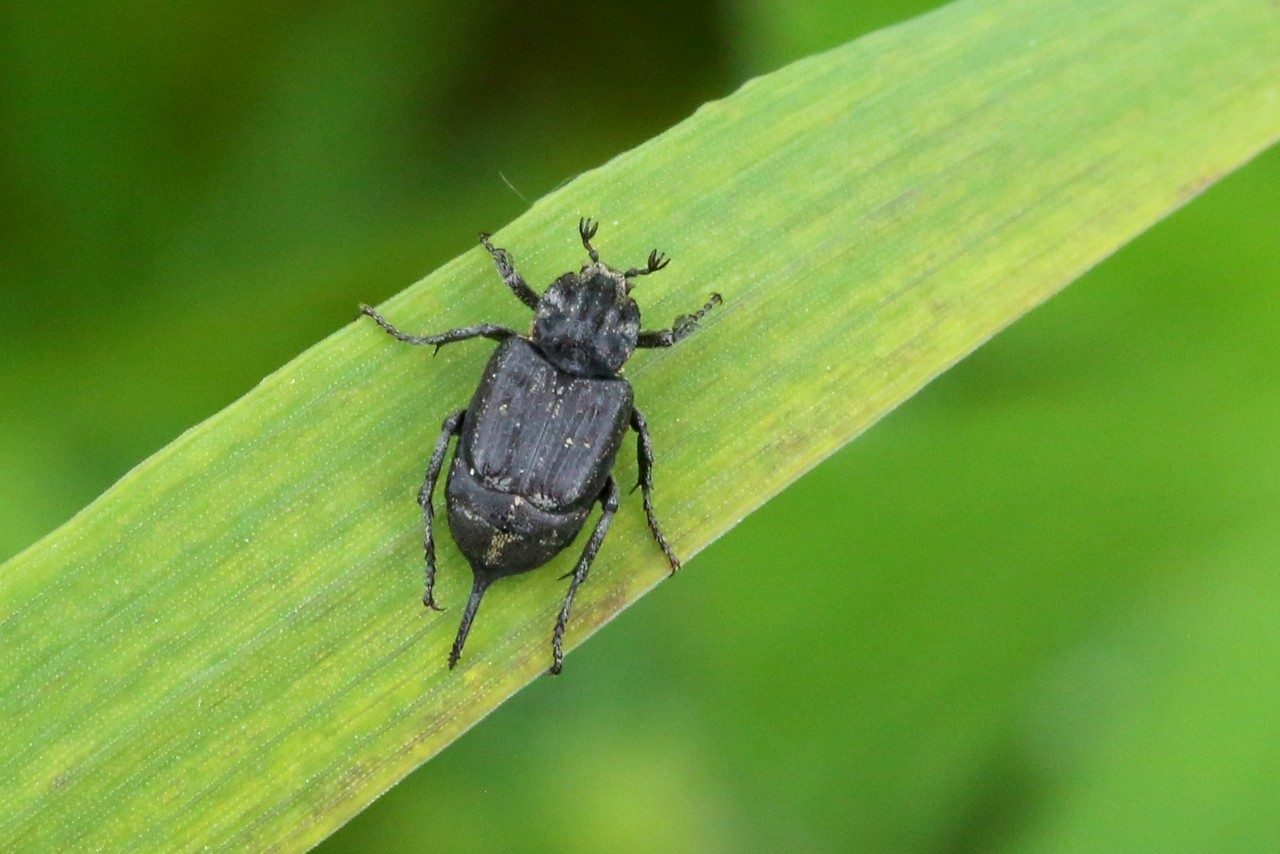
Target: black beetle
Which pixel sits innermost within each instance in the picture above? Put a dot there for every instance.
(537, 445)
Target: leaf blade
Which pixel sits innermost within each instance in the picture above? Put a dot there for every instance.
(225, 649)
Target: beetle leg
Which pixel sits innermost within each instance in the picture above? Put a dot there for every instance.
(684, 324)
(452, 427)
(507, 269)
(644, 453)
(608, 506)
(479, 585)
(481, 330)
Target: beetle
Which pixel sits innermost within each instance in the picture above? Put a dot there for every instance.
(537, 444)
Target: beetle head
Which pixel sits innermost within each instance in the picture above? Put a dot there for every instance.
(586, 324)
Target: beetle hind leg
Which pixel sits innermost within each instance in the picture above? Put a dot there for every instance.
(608, 506)
(644, 453)
(478, 586)
(452, 427)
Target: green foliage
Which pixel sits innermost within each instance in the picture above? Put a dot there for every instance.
(224, 649)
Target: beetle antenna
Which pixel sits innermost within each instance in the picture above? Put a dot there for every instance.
(587, 230)
(478, 587)
(657, 260)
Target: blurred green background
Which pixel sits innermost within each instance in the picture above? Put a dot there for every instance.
(1038, 608)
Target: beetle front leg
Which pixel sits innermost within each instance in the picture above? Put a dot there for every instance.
(608, 506)
(452, 427)
(644, 453)
(507, 269)
(481, 330)
(680, 329)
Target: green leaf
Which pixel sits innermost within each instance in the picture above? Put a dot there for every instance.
(227, 648)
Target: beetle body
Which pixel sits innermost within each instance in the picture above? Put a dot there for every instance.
(536, 448)
(538, 442)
